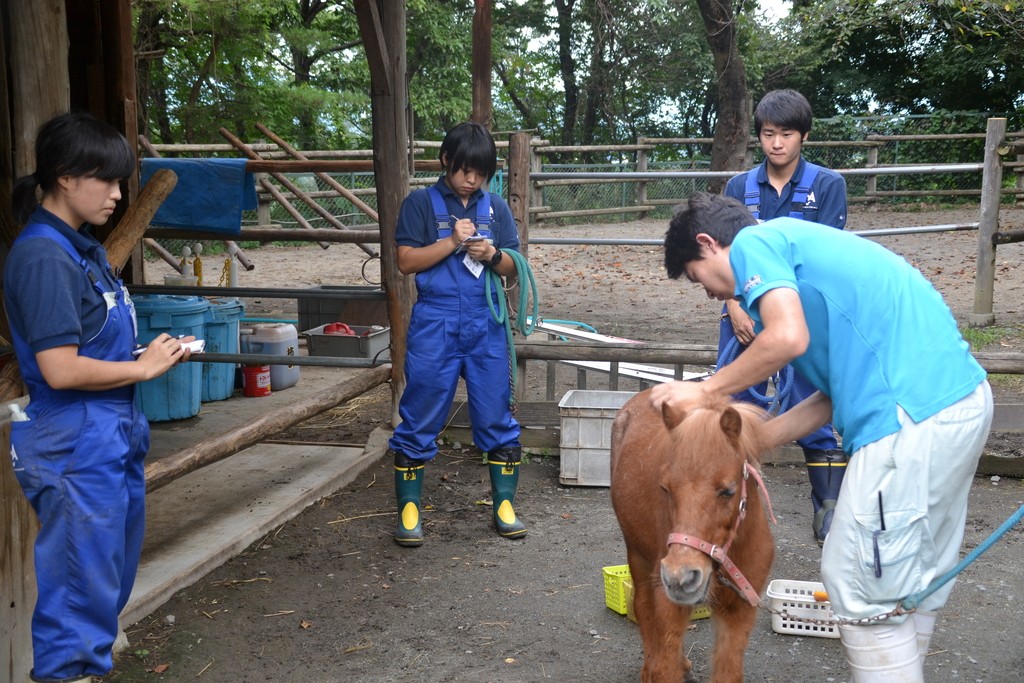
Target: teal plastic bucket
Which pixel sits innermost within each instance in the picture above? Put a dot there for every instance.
(176, 394)
(221, 336)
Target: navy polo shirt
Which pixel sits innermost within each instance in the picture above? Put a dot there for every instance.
(417, 225)
(826, 202)
(50, 301)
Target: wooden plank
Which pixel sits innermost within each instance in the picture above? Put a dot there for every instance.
(165, 470)
(196, 523)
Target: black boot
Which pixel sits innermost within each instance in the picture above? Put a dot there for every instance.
(825, 469)
(408, 489)
(503, 465)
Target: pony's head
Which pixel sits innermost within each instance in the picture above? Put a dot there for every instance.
(707, 481)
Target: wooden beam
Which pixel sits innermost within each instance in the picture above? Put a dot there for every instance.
(40, 88)
(382, 26)
(328, 180)
(274, 235)
(375, 45)
(124, 238)
(166, 470)
(481, 57)
(324, 165)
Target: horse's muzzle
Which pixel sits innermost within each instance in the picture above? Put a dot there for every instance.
(686, 582)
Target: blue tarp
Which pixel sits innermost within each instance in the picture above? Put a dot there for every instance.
(210, 195)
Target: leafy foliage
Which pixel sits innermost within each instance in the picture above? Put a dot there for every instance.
(571, 71)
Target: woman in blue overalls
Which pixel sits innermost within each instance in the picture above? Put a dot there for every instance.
(452, 332)
(78, 457)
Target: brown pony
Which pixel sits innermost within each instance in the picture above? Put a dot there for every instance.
(685, 488)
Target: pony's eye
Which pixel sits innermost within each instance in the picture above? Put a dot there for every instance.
(727, 492)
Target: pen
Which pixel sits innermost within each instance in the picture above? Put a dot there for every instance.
(874, 538)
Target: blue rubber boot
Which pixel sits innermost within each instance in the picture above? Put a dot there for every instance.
(503, 465)
(408, 489)
(825, 469)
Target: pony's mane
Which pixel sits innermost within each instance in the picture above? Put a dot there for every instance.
(700, 428)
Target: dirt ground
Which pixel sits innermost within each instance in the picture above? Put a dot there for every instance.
(329, 597)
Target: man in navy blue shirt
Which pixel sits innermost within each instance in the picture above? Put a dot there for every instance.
(786, 184)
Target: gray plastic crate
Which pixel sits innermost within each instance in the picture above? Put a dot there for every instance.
(360, 304)
(586, 435)
(367, 342)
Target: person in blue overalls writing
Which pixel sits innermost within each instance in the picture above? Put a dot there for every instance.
(78, 457)
(448, 234)
(784, 185)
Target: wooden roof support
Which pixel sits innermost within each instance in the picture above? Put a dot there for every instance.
(382, 25)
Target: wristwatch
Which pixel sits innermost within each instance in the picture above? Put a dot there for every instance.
(496, 259)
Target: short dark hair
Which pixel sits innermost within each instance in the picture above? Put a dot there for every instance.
(72, 144)
(786, 108)
(716, 215)
(469, 147)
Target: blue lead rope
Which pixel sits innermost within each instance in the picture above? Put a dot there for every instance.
(527, 301)
(911, 602)
(777, 403)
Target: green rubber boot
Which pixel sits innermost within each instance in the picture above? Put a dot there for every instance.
(503, 465)
(408, 489)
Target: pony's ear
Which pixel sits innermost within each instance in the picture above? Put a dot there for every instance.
(732, 424)
(672, 415)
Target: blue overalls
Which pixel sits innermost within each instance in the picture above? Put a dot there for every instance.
(752, 192)
(452, 334)
(823, 438)
(79, 460)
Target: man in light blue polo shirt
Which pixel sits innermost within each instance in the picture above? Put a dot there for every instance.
(893, 373)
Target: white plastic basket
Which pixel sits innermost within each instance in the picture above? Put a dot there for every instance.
(796, 598)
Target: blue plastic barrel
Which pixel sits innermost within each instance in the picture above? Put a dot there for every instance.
(176, 394)
(221, 336)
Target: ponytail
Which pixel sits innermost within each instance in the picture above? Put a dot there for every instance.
(23, 198)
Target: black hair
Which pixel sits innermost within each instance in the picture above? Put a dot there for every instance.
(785, 108)
(469, 147)
(716, 215)
(72, 144)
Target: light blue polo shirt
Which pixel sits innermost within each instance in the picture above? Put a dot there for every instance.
(881, 335)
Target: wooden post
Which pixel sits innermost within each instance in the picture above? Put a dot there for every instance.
(382, 27)
(871, 186)
(988, 226)
(1020, 183)
(519, 186)
(39, 77)
(481, 57)
(39, 89)
(263, 205)
(536, 166)
(641, 187)
(519, 203)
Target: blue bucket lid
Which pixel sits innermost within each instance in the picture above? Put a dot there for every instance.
(224, 309)
(174, 304)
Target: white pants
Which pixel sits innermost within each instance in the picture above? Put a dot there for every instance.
(900, 517)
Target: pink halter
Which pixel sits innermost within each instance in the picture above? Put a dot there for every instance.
(720, 553)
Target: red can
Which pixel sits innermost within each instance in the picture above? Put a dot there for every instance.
(256, 380)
